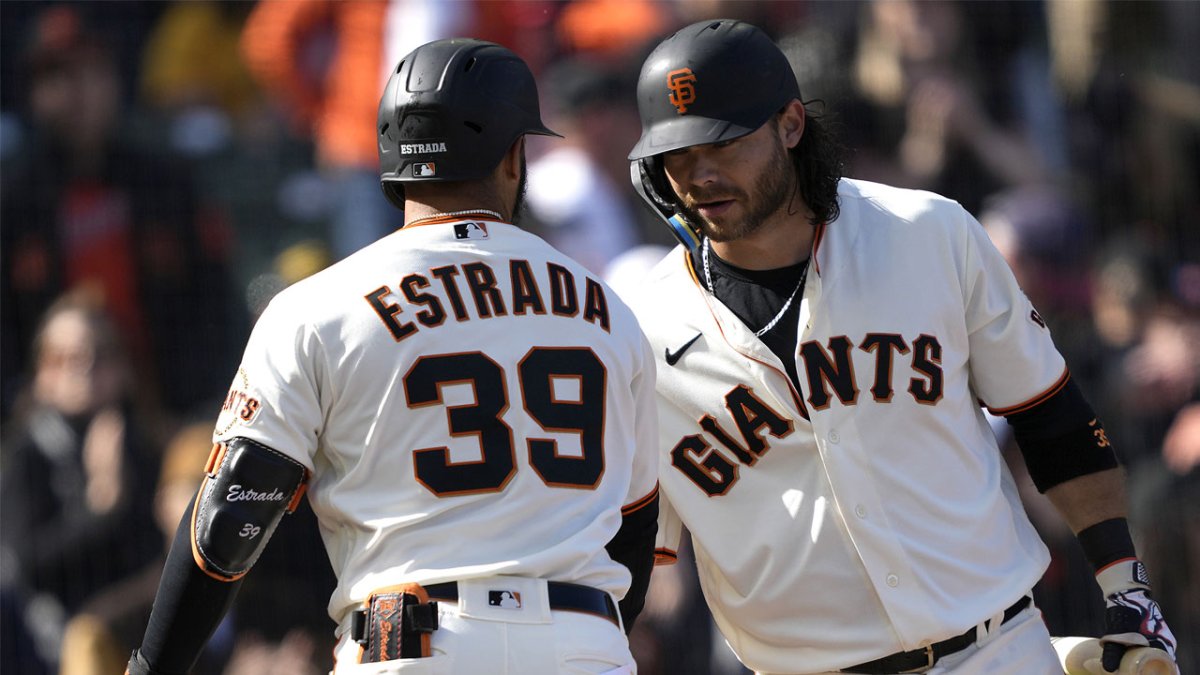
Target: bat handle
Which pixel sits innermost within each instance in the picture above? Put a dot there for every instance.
(1074, 653)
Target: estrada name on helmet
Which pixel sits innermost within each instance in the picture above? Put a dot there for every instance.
(450, 111)
(712, 81)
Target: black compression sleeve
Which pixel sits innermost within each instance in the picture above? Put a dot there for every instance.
(1061, 439)
(187, 609)
(633, 547)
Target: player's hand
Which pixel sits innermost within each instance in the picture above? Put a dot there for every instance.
(1132, 618)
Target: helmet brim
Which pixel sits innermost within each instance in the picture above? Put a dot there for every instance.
(684, 132)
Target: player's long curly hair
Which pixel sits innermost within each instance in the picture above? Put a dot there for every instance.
(819, 158)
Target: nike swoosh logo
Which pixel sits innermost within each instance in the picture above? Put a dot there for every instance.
(673, 358)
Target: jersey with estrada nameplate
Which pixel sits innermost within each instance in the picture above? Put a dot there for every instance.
(869, 512)
(471, 402)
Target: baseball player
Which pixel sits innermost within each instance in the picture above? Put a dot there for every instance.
(825, 346)
(470, 412)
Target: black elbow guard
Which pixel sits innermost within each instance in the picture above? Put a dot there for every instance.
(1061, 438)
(248, 489)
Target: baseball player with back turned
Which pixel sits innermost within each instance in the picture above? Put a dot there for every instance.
(825, 346)
(470, 411)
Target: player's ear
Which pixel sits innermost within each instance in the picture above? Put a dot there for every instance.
(791, 123)
(511, 164)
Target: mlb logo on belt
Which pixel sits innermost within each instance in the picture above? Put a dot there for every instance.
(504, 599)
(424, 169)
(470, 230)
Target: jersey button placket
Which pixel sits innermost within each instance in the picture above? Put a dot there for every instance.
(893, 580)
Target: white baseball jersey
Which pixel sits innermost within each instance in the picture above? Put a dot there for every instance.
(870, 512)
(470, 402)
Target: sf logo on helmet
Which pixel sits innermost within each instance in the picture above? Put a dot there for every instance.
(682, 84)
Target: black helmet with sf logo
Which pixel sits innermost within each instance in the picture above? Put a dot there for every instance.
(710, 82)
(450, 111)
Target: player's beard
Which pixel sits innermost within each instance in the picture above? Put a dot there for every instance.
(771, 191)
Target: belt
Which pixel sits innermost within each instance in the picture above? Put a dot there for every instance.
(562, 595)
(919, 659)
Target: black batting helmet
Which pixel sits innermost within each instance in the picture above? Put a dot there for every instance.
(450, 111)
(709, 82)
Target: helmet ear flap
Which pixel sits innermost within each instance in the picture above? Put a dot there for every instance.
(650, 183)
(394, 191)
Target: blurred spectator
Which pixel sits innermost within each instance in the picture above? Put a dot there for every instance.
(192, 59)
(1165, 512)
(100, 637)
(610, 29)
(203, 104)
(1148, 361)
(1047, 242)
(578, 191)
(83, 205)
(271, 629)
(1130, 88)
(1181, 447)
(326, 62)
(73, 506)
(924, 117)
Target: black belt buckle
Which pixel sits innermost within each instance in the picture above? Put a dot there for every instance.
(911, 661)
(930, 659)
(396, 623)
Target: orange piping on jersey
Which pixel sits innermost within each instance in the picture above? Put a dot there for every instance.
(440, 220)
(639, 504)
(818, 236)
(665, 556)
(1036, 400)
(687, 262)
(796, 398)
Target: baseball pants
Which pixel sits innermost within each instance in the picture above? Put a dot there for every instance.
(476, 636)
(1020, 647)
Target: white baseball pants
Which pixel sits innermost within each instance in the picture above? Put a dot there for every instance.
(476, 637)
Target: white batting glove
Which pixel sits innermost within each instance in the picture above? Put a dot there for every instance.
(1132, 618)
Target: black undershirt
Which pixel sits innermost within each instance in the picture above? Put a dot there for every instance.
(755, 297)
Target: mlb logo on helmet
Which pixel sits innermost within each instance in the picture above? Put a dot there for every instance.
(424, 169)
(682, 83)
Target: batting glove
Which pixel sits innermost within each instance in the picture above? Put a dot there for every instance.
(1132, 618)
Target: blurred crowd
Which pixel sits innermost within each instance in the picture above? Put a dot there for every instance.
(167, 167)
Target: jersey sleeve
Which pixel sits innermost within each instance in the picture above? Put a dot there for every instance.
(1013, 361)
(670, 533)
(275, 395)
(643, 485)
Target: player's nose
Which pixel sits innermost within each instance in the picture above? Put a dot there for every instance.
(700, 168)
